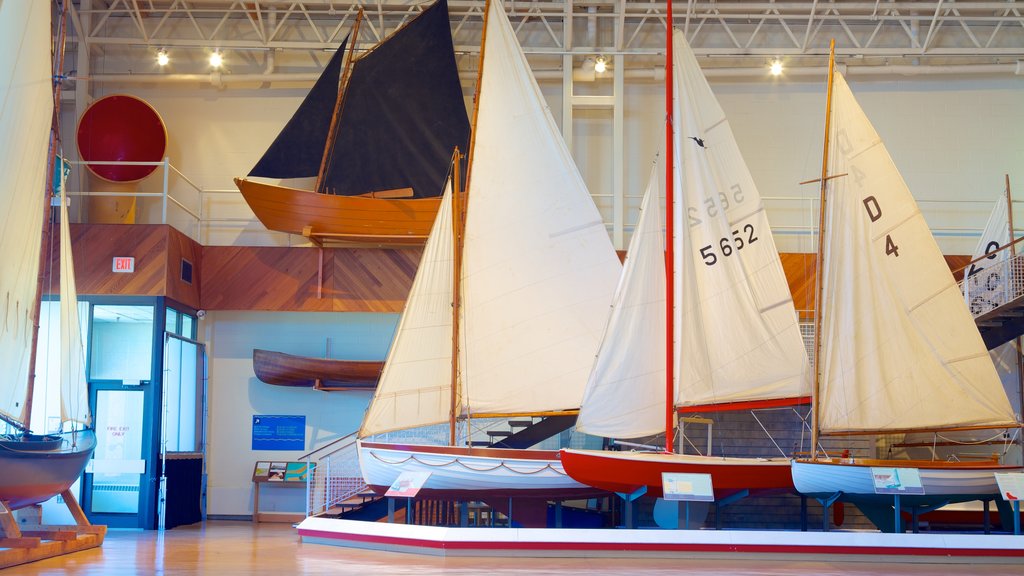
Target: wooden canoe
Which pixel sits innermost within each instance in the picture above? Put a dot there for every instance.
(283, 369)
(356, 219)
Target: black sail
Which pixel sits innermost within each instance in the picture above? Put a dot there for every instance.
(299, 148)
(403, 113)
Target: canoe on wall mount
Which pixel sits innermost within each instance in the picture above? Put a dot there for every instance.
(326, 374)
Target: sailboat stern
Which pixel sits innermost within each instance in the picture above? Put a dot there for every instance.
(34, 470)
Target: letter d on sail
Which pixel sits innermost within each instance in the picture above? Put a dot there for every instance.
(874, 211)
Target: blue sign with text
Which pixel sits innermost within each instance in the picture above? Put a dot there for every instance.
(274, 432)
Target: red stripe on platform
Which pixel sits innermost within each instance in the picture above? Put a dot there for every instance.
(662, 546)
(748, 405)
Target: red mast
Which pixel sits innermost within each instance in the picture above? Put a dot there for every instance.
(669, 242)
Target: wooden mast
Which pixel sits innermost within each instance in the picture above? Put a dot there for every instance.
(1013, 253)
(332, 134)
(476, 97)
(456, 290)
(819, 260)
(458, 223)
(670, 396)
(45, 237)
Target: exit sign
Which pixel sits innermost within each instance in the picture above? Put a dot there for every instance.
(124, 264)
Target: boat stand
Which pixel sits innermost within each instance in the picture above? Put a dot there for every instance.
(826, 505)
(723, 502)
(628, 503)
(31, 542)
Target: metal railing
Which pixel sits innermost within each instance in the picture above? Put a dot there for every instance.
(189, 215)
(334, 475)
(996, 284)
(166, 199)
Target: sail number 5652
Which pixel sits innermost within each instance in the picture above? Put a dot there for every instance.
(726, 246)
(712, 208)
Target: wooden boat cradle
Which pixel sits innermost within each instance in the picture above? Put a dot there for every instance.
(31, 542)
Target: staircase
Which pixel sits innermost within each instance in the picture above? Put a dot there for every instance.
(336, 484)
(995, 297)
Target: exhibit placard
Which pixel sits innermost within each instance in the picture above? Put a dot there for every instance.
(1011, 485)
(688, 487)
(278, 432)
(408, 484)
(897, 481)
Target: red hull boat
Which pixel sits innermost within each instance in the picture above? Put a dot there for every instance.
(627, 472)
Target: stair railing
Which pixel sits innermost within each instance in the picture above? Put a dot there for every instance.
(334, 475)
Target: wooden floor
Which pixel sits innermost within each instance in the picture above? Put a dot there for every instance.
(222, 548)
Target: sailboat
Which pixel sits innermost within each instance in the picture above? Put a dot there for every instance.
(739, 343)
(35, 467)
(363, 158)
(508, 325)
(897, 349)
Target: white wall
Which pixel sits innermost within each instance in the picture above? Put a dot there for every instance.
(235, 395)
(953, 139)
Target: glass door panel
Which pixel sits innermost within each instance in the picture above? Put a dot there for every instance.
(117, 465)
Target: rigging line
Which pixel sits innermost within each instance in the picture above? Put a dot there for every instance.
(458, 461)
(768, 434)
(970, 442)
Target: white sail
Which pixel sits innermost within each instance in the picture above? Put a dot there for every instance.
(26, 108)
(899, 350)
(988, 276)
(986, 284)
(74, 394)
(625, 396)
(415, 385)
(739, 333)
(539, 269)
(989, 285)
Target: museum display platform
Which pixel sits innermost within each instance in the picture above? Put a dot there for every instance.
(838, 545)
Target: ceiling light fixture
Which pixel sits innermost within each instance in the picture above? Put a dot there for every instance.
(776, 67)
(161, 57)
(600, 65)
(216, 60)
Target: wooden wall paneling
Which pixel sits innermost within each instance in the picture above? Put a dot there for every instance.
(799, 269)
(372, 280)
(94, 247)
(181, 247)
(284, 279)
(261, 278)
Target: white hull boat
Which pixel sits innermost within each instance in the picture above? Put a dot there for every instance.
(458, 472)
(962, 482)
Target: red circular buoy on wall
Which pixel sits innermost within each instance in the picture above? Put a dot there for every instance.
(119, 128)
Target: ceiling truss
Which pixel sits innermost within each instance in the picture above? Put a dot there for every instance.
(728, 32)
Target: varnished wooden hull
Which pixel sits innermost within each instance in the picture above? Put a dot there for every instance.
(33, 472)
(283, 369)
(357, 219)
(626, 472)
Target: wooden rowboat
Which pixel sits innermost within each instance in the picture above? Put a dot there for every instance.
(330, 374)
(358, 219)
